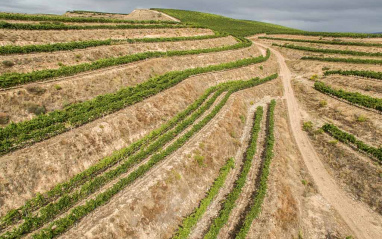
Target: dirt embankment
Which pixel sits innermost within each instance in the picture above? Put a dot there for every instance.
(85, 86)
(349, 39)
(370, 87)
(137, 14)
(80, 23)
(364, 124)
(326, 46)
(41, 61)
(28, 37)
(293, 206)
(294, 54)
(363, 222)
(153, 207)
(41, 166)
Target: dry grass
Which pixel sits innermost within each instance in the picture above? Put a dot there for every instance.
(25, 37)
(81, 88)
(40, 61)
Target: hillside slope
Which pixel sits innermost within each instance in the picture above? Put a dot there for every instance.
(224, 24)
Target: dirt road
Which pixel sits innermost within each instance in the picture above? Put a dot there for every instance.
(364, 222)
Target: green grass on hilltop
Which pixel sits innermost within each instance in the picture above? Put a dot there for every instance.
(243, 28)
(224, 24)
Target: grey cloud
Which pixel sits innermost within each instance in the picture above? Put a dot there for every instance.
(313, 15)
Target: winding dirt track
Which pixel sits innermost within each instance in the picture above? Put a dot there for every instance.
(363, 222)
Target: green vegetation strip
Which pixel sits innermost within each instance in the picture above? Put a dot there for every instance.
(230, 201)
(44, 126)
(352, 97)
(61, 225)
(352, 140)
(332, 34)
(40, 200)
(262, 187)
(190, 221)
(66, 46)
(330, 51)
(51, 26)
(367, 74)
(346, 60)
(13, 79)
(333, 42)
(67, 200)
(224, 24)
(56, 18)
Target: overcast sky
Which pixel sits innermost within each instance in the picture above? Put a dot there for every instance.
(313, 15)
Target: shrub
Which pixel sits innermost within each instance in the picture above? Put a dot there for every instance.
(242, 119)
(314, 77)
(8, 63)
(4, 118)
(36, 109)
(307, 126)
(35, 90)
(323, 103)
(57, 87)
(199, 159)
(361, 118)
(261, 67)
(333, 142)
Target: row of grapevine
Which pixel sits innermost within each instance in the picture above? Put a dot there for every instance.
(346, 60)
(367, 74)
(333, 42)
(23, 26)
(350, 139)
(64, 200)
(62, 224)
(13, 79)
(230, 201)
(47, 125)
(255, 208)
(56, 18)
(330, 34)
(66, 46)
(352, 97)
(190, 221)
(330, 51)
(40, 200)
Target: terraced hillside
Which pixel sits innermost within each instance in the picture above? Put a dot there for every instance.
(175, 124)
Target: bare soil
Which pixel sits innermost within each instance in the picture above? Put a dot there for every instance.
(293, 206)
(53, 60)
(153, 207)
(372, 40)
(351, 211)
(30, 37)
(327, 46)
(85, 86)
(43, 165)
(137, 14)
